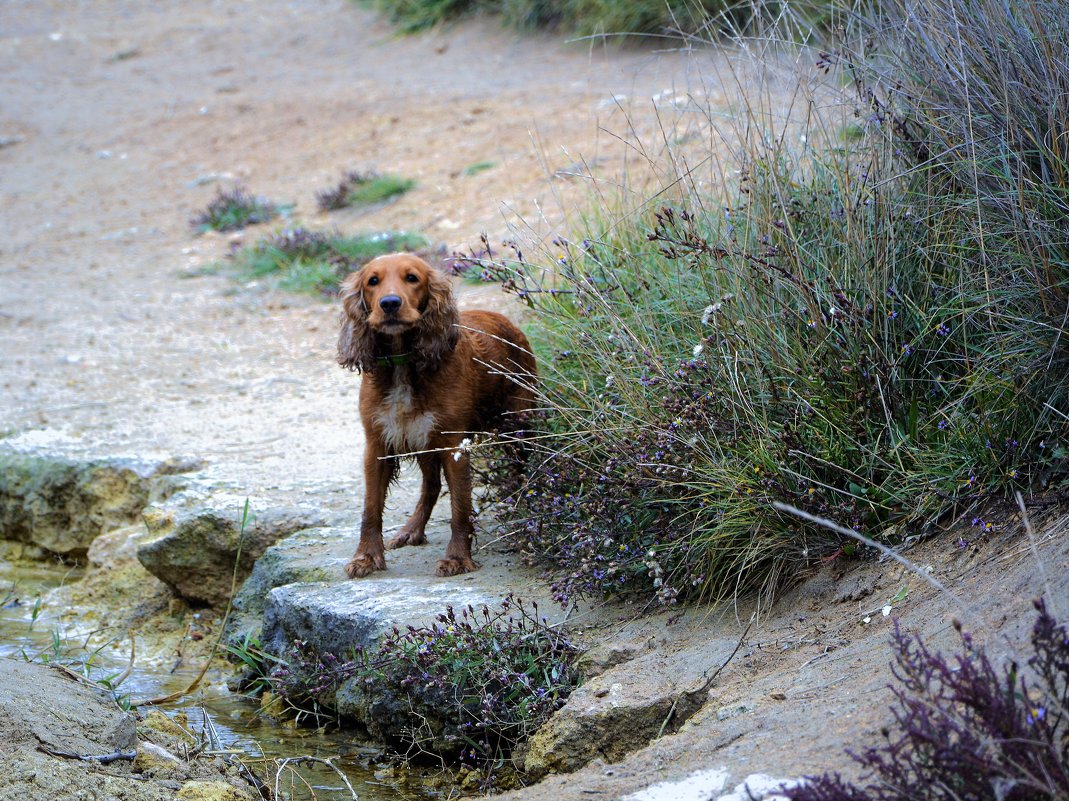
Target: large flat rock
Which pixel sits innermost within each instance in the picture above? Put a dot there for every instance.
(300, 588)
(338, 616)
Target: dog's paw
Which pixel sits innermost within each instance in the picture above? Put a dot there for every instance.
(407, 538)
(364, 565)
(454, 567)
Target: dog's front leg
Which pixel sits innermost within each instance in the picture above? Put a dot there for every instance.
(458, 559)
(378, 472)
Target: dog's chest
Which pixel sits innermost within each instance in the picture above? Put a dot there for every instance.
(404, 428)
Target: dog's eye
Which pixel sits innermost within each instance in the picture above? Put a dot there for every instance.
(373, 280)
(412, 278)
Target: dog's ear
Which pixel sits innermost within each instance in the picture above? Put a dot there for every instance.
(356, 341)
(437, 331)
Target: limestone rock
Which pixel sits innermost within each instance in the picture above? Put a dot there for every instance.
(194, 552)
(311, 555)
(211, 791)
(156, 761)
(336, 617)
(624, 709)
(62, 505)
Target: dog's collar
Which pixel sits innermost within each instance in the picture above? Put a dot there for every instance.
(394, 361)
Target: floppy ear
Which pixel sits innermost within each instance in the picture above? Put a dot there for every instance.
(437, 332)
(356, 341)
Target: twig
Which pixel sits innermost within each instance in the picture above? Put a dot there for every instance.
(301, 759)
(129, 666)
(102, 759)
(849, 532)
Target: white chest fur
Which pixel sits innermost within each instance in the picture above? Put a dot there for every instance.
(403, 428)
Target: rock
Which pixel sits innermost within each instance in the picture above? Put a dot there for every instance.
(211, 791)
(158, 726)
(336, 617)
(625, 708)
(42, 706)
(61, 505)
(194, 552)
(759, 787)
(606, 655)
(700, 785)
(311, 555)
(156, 761)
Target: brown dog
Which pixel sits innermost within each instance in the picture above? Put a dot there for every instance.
(431, 377)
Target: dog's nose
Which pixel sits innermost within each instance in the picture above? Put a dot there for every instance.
(390, 303)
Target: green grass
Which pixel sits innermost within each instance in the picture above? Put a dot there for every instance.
(314, 262)
(478, 167)
(583, 17)
(612, 18)
(379, 189)
(363, 189)
(871, 330)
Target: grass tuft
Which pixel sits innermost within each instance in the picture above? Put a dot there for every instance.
(314, 262)
(362, 189)
(869, 327)
(233, 209)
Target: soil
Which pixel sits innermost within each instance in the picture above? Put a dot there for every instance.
(120, 120)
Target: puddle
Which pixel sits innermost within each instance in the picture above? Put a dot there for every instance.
(234, 719)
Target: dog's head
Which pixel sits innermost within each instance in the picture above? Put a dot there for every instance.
(396, 301)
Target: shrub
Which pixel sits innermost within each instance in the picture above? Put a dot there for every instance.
(575, 16)
(362, 189)
(965, 729)
(474, 685)
(233, 209)
(303, 260)
(852, 330)
(492, 677)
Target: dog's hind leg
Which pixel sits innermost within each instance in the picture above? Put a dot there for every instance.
(413, 531)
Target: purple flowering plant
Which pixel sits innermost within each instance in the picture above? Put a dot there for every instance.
(965, 728)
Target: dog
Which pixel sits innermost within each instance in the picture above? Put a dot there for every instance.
(431, 377)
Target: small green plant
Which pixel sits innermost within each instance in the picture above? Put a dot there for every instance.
(256, 662)
(478, 167)
(234, 209)
(362, 189)
(607, 17)
(964, 728)
(314, 262)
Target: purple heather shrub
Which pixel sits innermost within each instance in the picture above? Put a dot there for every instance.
(965, 728)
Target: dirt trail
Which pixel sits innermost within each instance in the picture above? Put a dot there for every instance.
(114, 118)
(119, 114)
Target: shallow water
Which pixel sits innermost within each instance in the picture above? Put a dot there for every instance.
(212, 710)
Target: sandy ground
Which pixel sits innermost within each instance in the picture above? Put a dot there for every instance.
(119, 120)
(121, 115)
